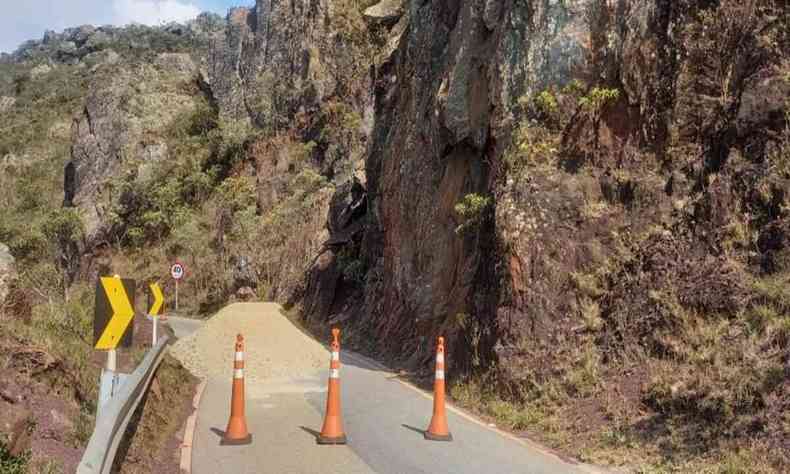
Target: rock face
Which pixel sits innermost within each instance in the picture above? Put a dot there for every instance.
(446, 110)
(7, 271)
(73, 44)
(276, 59)
(111, 141)
(443, 104)
(98, 137)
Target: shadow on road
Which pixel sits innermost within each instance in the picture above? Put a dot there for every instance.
(417, 430)
(313, 432)
(218, 432)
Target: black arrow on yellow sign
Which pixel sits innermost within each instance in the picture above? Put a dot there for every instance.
(159, 299)
(114, 313)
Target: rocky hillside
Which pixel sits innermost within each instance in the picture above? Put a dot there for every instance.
(588, 199)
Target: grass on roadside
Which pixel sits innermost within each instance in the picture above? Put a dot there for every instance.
(12, 464)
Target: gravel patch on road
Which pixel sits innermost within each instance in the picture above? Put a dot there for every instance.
(274, 347)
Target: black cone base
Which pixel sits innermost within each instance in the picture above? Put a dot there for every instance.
(434, 437)
(331, 440)
(236, 442)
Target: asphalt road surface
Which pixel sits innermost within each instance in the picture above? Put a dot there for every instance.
(383, 419)
(183, 327)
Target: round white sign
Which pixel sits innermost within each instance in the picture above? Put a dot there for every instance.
(177, 271)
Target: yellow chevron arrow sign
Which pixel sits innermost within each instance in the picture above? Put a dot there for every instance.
(159, 298)
(121, 312)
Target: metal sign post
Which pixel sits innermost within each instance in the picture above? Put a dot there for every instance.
(177, 271)
(112, 359)
(153, 311)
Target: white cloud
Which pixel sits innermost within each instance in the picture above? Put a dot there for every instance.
(153, 12)
(22, 20)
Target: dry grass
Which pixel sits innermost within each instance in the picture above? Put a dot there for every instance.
(150, 444)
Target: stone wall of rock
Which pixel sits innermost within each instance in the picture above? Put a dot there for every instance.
(280, 58)
(444, 115)
(127, 104)
(446, 107)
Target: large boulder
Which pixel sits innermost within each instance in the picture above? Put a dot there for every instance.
(323, 279)
(6, 103)
(243, 274)
(40, 70)
(347, 210)
(386, 12)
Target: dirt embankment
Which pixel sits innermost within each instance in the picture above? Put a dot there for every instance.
(47, 410)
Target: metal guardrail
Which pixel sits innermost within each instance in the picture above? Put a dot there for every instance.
(111, 422)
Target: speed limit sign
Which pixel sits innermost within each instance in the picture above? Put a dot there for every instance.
(177, 271)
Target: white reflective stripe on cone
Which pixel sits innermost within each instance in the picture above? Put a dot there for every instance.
(440, 375)
(239, 356)
(440, 358)
(335, 356)
(334, 373)
(238, 373)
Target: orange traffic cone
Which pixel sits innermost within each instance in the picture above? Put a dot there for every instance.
(236, 432)
(437, 430)
(332, 431)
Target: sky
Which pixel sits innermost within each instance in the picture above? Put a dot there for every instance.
(21, 20)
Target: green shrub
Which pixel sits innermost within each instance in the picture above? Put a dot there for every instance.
(339, 131)
(583, 378)
(351, 266)
(574, 88)
(203, 120)
(547, 103)
(347, 16)
(64, 224)
(532, 144)
(83, 429)
(774, 290)
(237, 193)
(12, 464)
(228, 144)
(471, 210)
(597, 98)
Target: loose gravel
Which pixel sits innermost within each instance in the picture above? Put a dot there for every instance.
(274, 347)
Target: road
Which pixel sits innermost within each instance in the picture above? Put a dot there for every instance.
(183, 327)
(383, 416)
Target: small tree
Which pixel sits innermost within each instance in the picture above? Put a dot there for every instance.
(471, 209)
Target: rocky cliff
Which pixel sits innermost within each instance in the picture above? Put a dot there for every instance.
(581, 196)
